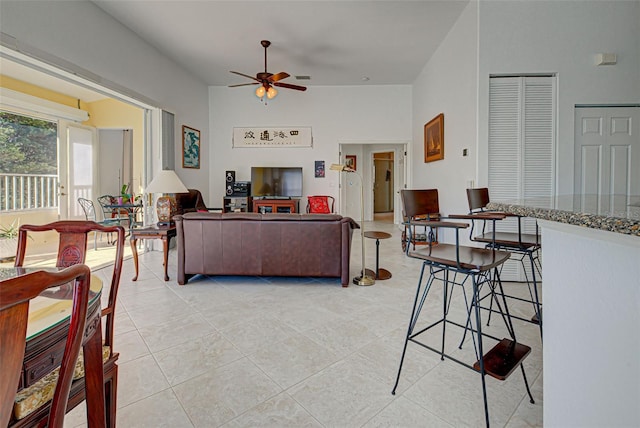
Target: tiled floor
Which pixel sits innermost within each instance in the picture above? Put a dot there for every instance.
(294, 352)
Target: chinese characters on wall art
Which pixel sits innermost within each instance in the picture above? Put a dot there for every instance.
(272, 137)
(190, 147)
(434, 139)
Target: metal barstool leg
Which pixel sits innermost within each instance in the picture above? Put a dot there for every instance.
(476, 303)
(444, 310)
(535, 291)
(509, 324)
(415, 311)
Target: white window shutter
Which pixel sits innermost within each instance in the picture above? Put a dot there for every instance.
(521, 145)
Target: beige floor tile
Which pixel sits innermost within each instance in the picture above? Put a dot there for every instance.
(402, 413)
(166, 335)
(224, 393)
(292, 360)
(342, 395)
(161, 410)
(138, 379)
(196, 357)
(280, 411)
(251, 334)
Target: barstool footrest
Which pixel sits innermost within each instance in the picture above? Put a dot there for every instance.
(535, 319)
(503, 358)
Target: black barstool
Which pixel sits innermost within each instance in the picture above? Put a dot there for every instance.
(525, 248)
(452, 265)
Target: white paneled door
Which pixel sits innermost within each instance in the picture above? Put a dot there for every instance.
(77, 168)
(607, 159)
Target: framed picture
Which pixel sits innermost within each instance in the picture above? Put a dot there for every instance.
(319, 169)
(351, 161)
(434, 139)
(190, 147)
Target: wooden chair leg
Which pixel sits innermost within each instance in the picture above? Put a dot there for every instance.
(111, 394)
(94, 379)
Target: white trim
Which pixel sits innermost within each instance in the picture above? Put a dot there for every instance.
(28, 104)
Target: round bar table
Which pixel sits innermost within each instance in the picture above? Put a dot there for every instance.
(380, 273)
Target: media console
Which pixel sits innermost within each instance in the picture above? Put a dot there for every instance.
(266, 206)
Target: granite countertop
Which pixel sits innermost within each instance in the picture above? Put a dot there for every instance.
(625, 219)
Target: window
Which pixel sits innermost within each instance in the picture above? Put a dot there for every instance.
(28, 162)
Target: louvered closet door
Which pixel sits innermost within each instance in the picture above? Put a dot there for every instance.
(521, 145)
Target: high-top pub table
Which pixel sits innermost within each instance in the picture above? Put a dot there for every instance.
(380, 273)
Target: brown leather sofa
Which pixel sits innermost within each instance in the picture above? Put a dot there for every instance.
(256, 244)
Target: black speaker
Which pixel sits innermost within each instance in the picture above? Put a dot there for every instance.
(230, 177)
(229, 189)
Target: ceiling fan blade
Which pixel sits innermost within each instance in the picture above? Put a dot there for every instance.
(279, 76)
(290, 86)
(244, 84)
(243, 75)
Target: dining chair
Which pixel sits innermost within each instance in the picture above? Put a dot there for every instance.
(455, 266)
(191, 201)
(525, 246)
(320, 204)
(89, 210)
(15, 296)
(72, 248)
(111, 215)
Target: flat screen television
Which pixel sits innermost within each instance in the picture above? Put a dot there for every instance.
(274, 182)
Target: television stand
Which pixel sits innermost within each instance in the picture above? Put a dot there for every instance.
(275, 205)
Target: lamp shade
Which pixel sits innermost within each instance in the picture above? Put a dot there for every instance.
(166, 181)
(340, 167)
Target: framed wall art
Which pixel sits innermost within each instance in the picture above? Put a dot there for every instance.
(319, 169)
(190, 147)
(434, 139)
(350, 161)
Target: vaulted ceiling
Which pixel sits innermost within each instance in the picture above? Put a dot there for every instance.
(333, 42)
(340, 42)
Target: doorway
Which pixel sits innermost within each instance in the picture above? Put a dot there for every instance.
(383, 187)
(364, 152)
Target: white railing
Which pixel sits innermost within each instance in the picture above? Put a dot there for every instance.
(28, 191)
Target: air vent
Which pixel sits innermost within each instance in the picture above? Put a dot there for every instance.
(303, 77)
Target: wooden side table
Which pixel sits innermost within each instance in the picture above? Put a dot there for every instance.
(380, 273)
(153, 232)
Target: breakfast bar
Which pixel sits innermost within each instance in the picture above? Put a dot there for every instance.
(591, 300)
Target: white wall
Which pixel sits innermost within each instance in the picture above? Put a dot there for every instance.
(563, 38)
(335, 114)
(82, 34)
(447, 85)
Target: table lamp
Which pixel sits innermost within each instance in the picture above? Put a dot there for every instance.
(363, 279)
(166, 182)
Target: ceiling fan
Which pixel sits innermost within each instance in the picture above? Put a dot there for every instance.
(266, 80)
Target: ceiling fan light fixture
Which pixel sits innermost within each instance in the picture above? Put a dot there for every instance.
(267, 80)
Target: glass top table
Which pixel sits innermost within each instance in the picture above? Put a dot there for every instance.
(53, 306)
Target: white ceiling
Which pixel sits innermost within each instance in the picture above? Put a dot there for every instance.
(335, 42)
(341, 42)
